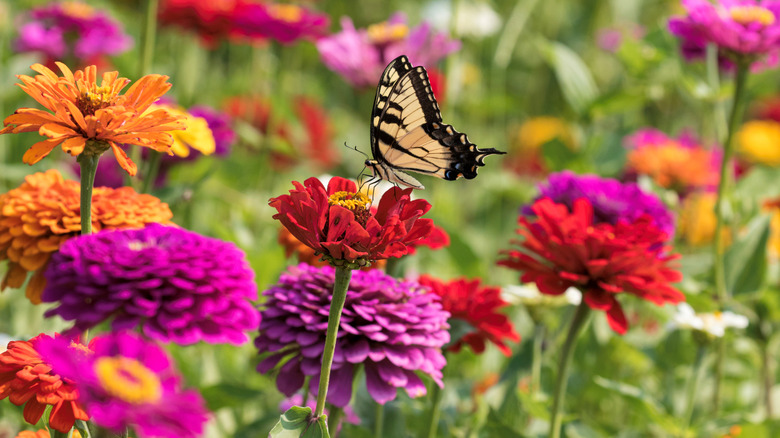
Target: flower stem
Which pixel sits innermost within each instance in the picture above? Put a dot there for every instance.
(536, 360)
(737, 108)
(578, 322)
(379, 420)
(152, 169)
(435, 411)
(88, 165)
(343, 275)
(768, 377)
(697, 371)
(148, 37)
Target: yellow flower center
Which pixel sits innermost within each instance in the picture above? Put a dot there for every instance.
(752, 14)
(351, 201)
(383, 33)
(128, 380)
(288, 13)
(91, 101)
(77, 9)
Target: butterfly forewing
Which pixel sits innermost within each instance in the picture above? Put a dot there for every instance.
(407, 133)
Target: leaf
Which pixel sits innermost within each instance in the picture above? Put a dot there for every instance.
(495, 426)
(654, 410)
(746, 261)
(228, 395)
(296, 423)
(557, 156)
(574, 77)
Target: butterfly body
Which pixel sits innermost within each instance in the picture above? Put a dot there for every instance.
(407, 132)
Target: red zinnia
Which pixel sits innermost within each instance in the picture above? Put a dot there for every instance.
(26, 378)
(338, 222)
(565, 249)
(468, 301)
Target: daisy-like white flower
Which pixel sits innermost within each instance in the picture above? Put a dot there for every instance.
(714, 324)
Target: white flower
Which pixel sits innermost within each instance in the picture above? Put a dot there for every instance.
(529, 295)
(474, 19)
(713, 323)
(4, 340)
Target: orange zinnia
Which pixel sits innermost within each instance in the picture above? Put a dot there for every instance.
(42, 213)
(89, 118)
(27, 380)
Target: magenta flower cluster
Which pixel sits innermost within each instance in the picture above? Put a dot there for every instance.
(360, 57)
(71, 30)
(393, 328)
(177, 285)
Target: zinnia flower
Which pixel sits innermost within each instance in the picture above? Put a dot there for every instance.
(128, 382)
(680, 164)
(477, 305)
(697, 219)
(43, 433)
(742, 29)
(71, 30)
(611, 200)
(26, 378)
(212, 21)
(178, 286)
(88, 118)
(758, 140)
(567, 247)
(773, 245)
(360, 56)
(393, 329)
(285, 23)
(712, 324)
(40, 215)
(338, 222)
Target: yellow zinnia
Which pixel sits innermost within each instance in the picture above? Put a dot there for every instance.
(758, 141)
(197, 136)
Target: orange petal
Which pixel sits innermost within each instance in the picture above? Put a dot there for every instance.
(40, 150)
(123, 160)
(74, 145)
(14, 277)
(35, 287)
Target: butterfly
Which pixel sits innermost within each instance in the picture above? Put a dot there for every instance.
(407, 133)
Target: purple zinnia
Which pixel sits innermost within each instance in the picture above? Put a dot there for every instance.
(177, 285)
(360, 56)
(65, 30)
(392, 328)
(742, 29)
(612, 200)
(125, 381)
(220, 126)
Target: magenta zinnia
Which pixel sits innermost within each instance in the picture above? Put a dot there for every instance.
(564, 248)
(125, 382)
(393, 329)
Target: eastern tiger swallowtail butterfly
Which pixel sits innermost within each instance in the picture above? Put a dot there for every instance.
(407, 133)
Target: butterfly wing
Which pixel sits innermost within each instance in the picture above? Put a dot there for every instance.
(407, 133)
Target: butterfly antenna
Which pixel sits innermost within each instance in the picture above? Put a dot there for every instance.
(354, 148)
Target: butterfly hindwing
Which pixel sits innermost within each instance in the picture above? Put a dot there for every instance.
(407, 133)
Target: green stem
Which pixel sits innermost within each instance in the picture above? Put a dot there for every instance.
(334, 420)
(578, 322)
(435, 410)
(768, 377)
(536, 360)
(379, 420)
(88, 165)
(148, 37)
(697, 372)
(737, 108)
(57, 434)
(343, 275)
(152, 169)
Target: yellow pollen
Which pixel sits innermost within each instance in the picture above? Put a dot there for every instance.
(349, 200)
(718, 315)
(128, 379)
(382, 33)
(91, 101)
(77, 9)
(288, 13)
(752, 14)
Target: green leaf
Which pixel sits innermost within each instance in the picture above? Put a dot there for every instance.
(226, 395)
(654, 410)
(297, 422)
(746, 263)
(557, 156)
(574, 77)
(495, 426)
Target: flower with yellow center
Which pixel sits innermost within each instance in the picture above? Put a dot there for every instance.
(758, 141)
(197, 136)
(386, 33)
(674, 166)
(748, 14)
(77, 10)
(128, 379)
(89, 118)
